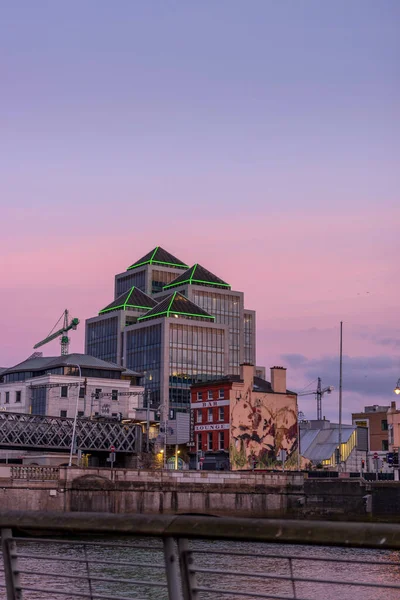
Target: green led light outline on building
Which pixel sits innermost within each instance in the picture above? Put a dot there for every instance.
(151, 261)
(191, 280)
(175, 312)
(196, 281)
(125, 305)
(170, 304)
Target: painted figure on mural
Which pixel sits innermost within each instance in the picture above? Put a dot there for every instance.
(261, 426)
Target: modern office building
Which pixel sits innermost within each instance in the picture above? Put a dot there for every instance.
(176, 324)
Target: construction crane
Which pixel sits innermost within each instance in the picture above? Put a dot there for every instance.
(64, 339)
(319, 392)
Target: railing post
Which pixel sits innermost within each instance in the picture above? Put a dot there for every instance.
(187, 576)
(172, 570)
(11, 575)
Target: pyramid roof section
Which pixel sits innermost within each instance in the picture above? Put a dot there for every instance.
(175, 305)
(198, 275)
(132, 298)
(159, 256)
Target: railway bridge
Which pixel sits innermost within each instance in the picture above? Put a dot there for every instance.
(37, 432)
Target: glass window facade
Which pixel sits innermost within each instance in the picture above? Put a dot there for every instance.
(136, 278)
(161, 278)
(248, 339)
(38, 401)
(226, 310)
(102, 339)
(143, 354)
(195, 354)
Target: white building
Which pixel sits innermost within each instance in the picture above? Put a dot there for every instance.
(50, 386)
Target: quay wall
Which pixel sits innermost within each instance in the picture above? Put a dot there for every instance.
(245, 494)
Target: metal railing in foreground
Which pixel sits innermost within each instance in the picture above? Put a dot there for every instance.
(195, 558)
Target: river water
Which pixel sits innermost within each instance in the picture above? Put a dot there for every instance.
(255, 562)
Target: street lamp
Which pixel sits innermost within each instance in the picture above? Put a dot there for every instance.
(76, 415)
(397, 388)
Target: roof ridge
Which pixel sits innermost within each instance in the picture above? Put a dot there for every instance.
(193, 271)
(170, 304)
(128, 296)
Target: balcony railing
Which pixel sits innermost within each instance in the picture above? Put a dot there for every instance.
(190, 558)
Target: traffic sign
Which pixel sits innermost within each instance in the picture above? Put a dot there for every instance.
(112, 449)
(376, 456)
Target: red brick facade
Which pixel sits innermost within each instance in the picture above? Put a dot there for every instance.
(211, 417)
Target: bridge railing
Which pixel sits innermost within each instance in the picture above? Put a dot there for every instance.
(190, 558)
(34, 473)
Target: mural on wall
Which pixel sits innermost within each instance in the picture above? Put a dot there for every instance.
(261, 426)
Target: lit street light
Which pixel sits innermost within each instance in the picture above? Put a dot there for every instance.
(397, 388)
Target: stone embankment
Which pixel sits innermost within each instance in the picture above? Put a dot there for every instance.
(246, 494)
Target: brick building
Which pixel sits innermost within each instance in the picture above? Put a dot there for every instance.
(243, 420)
(376, 420)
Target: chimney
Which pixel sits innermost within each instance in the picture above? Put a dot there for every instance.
(278, 380)
(247, 374)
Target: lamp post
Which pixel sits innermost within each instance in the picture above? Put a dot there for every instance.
(397, 388)
(148, 421)
(76, 415)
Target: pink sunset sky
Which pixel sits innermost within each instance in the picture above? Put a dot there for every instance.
(262, 144)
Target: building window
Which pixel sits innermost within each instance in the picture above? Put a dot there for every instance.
(7, 400)
(80, 413)
(210, 415)
(114, 394)
(385, 445)
(97, 393)
(63, 413)
(221, 437)
(221, 415)
(81, 392)
(390, 434)
(64, 391)
(199, 395)
(209, 441)
(210, 395)
(199, 445)
(384, 425)
(221, 394)
(17, 396)
(199, 416)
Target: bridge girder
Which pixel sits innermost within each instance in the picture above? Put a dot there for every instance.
(22, 431)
